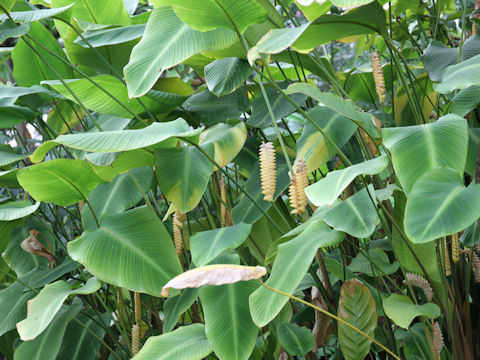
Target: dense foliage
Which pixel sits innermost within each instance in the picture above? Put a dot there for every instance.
(254, 179)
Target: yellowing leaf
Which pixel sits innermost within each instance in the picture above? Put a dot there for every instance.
(213, 275)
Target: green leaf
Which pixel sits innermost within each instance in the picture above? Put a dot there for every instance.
(61, 181)
(227, 141)
(213, 14)
(183, 174)
(293, 258)
(47, 345)
(402, 310)
(117, 196)
(131, 250)
(417, 149)
(81, 340)
(167, 42)
(460, 76)
(186, 343)
(10, 30)
(43, 307)
(228, 324)
(34, 15)
(326, 190)
(113, 36)
(357, 307)
(207, 245)
(176, 306)
(376, 263)
(466, 100)
(343, 107)
(312, 146)
(295, 339)
(212, 109)
(96, 99)
(356, 215)
(440, 205)
(118, 140)
(225, 75)
(17, 209)
(14, 305)
(438, 56)
(13, 115)
(28, 68)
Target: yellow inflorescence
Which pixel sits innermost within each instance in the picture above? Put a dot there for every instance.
(268, 171)
(298, 198)
(135, 339)
(455, 249)
(223, 196)
(177, 227)
(378, 75)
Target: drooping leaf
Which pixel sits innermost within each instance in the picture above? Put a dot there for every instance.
(113, 36)
(357, 307)
(131, 249)
(466, 100)
(9, 30)
(12, 115)
(207, 245)
(440, 205)
(14, 306)
(214, 14)
(402, 310)
(375, 263)
(43, 307)
(460, 76)
(176, 306)
(295, 339)
(293, 258)
(214, 275)
(343, 107)
(312, 146)
(117, 196)
(356, 215)
(225, 75)
(183, 175)
(326, 190)
(186, 343)
(17, 209)
(47, 345)
(436, 57)
(118, 140)
(442, 143)
(34, 15)
(167, 42)
(228, 324)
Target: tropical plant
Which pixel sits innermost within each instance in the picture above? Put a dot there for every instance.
(256, 179)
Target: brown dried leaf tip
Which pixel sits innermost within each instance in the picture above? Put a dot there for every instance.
(298, 198)
(437, 338)
(33, 246)
(378, 75)
(419, 281)
(177, 226)
(268, 173)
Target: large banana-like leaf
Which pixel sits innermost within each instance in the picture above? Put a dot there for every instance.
(326, 190)
(14, 306)
(466, 100)
(436, 57)
(460, 76)
(440, 205)
(295, 339)
(9, 155)
(17, 209)
(61, 181)
(207, 245)
(402, 310)
(34, 15)
(47, 345)
(113, 36)
(356, 215)
(357, 307)
(183, 174)
(43, 307)
(213, 14)
(132, 250)
(225, 75)
(227, 141)
(118, 140)
(375, 263)
(312, 146)
(418, 149)
(343, 107)
(186, 343)
(228, 324)
(176, 306)
(117, 196)
(167, 42)
(293, 258)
